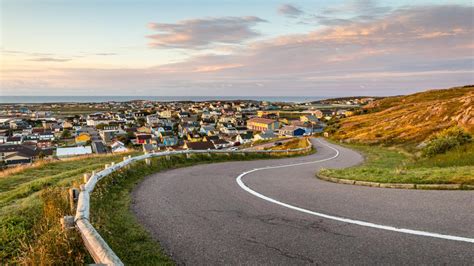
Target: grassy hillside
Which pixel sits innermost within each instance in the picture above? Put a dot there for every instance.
(394, 165)
(390, 132)
(410, 119)
(31, 199)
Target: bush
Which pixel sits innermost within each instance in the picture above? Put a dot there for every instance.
(445, 141)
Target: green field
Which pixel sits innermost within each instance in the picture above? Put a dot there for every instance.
(395, 165)
(33, 199)
(21, 202)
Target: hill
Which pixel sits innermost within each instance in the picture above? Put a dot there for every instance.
(410, 119)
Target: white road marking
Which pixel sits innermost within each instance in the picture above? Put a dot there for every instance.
(336, 218)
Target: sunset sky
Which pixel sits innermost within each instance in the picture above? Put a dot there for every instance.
(237, 48)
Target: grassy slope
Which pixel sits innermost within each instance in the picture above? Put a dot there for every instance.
(410, 119)
(20, 201)
(393, 165)
(292, 144)
(402, 123)
(33, 199)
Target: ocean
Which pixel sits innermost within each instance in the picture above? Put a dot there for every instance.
(95, 99)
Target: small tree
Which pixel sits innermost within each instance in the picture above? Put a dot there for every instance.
(446, 140)
(66, 134)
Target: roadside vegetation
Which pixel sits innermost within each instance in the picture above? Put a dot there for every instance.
(408, 120)
(423, 138)
(297, 143)
(446, 158)
(33, 199)
(26, 210)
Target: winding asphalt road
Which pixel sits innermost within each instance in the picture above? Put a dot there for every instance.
(284, 215)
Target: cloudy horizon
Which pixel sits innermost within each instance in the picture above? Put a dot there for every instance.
(235, 48)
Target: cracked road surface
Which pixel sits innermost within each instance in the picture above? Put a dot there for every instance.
(200, 215)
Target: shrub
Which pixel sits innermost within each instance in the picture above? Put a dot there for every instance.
(445, 141)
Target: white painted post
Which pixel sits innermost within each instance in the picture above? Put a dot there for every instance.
(86, 177)
(188, 155)
(168, 157)
(148, 161)
(67, 222)
(106, 166)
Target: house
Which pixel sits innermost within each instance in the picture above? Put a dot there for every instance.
(199, 145)
(148, 148)
(292, 131)
(143, 138)
(14, 140)
(82, 139)
(20, 154)
(98, 147)
(266, 135)
(221, 144)
(73, 151)
(118, 146)
(262, 124)
(244, 138)
(169, 140)
(309, 118)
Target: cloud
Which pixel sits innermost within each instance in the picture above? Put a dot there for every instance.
(290, 11)
(50, 59)
(203, 33)
(402, 51)
(350, 12)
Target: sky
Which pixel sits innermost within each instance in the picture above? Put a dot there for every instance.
(234, 47)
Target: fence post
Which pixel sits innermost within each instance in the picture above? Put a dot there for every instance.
(73, 196)
(147, 161)
(188, 155)
(67, 222)
(86, 177)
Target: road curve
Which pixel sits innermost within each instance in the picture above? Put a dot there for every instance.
(201, 215)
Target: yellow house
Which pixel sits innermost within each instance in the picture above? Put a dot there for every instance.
(144, 130)
(262, 124)
(83, 138)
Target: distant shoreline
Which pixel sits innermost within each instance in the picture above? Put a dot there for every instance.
(99, 99)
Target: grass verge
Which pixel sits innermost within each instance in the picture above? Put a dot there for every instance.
(24, 215)
(395, 165)
(34, 198)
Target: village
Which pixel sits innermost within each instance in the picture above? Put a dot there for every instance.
(56, 131)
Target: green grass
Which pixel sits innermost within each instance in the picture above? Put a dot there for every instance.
(21, 203)
(29, 216)
(394, 165)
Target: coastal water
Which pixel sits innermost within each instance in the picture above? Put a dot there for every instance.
(95, 99)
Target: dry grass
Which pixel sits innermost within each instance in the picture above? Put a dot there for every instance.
(410, 119)
(296, 143)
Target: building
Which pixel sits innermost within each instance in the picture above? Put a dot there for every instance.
(73, 151)
(199, 145)
(266, 135)
(118, 146)
(20, 154)
(292, 131)
(82, 139)
(262, 124)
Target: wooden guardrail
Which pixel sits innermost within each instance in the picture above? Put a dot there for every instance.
(95, 244)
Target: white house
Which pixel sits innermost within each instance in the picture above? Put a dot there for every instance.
(73, 151)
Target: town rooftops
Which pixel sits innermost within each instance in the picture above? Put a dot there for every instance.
(261, 120)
